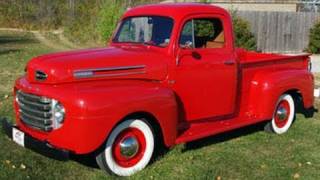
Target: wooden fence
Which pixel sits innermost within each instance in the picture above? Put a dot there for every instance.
(285, 32)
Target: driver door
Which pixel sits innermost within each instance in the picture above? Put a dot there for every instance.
(206, 71)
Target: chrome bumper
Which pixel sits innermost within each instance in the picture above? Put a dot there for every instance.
(38, 146)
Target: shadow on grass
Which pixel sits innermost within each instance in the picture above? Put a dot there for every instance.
(10, 43)
(7, 51)
(16, 39)
(86, 160)
(308, 113)
(89, 160)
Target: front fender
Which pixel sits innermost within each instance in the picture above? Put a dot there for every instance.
(106, 105)
(266, 88)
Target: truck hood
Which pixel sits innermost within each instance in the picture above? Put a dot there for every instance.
(97, 64)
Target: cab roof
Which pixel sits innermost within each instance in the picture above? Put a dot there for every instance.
(175, 10)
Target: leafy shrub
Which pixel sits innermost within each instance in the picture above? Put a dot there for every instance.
(80, 22)
(109, 16)
(314, 42)
(32, 14)
(244, 38)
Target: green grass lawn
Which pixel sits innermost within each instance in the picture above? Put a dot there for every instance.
(243, 154)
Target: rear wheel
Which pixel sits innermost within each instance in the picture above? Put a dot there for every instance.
(283, 116)
(129, 148)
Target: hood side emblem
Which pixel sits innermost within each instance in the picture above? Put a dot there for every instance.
(40, 76)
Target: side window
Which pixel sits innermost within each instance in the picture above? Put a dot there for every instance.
(187, 37)
(202, 33)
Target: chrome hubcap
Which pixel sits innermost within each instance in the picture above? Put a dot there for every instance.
(282, 114)
(129, 147)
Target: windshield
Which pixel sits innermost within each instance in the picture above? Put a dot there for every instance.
(151, 30)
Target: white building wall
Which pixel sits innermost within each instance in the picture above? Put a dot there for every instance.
(251, 6)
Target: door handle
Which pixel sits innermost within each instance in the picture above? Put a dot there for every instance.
(229, 62)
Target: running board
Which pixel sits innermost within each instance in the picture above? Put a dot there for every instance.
(206, 129)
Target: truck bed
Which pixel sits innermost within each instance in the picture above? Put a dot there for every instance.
(250, 57)
(253, 63)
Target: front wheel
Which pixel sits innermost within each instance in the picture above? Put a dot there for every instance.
(283, 116)
(129, 148)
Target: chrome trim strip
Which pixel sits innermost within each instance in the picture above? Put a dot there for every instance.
(112, 75)
(89, 73)
(33, 116)
(112, 68)
(31, 96)
(120, 74)
(45, 107)
(39, 121)
(41, 113)
(35, 125)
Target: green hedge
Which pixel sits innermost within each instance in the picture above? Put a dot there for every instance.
(244, 38)
(108, 19)
(314, 42)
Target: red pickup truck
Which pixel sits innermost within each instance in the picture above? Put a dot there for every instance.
(170, 75)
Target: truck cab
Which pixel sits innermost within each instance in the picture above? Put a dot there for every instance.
(170, 75)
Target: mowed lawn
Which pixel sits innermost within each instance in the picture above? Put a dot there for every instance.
(249, 153)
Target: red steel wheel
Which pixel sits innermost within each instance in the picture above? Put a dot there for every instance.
(129, 147)
(284, 114)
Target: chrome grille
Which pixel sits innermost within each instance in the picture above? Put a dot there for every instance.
(35, 111)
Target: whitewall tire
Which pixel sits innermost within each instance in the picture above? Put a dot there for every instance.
(129, 148)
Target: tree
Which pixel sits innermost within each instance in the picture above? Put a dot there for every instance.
(314, 39)
(244, 38)
(109, 16)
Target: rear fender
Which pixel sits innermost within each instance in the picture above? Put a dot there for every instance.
(266, 88)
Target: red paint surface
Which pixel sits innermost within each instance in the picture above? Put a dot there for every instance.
(193, 100)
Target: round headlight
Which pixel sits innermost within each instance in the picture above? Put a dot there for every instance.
(58, 113)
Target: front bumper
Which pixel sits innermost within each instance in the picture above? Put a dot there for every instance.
(38, 146)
